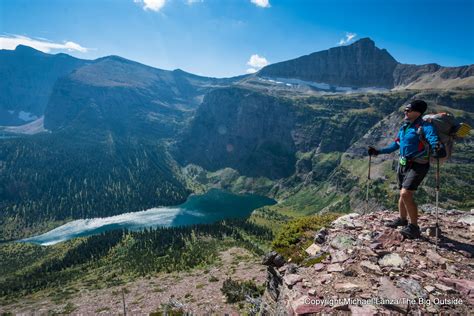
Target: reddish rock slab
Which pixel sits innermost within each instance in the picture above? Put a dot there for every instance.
(364, 310)
(292, 279)
(389, 238)
(306, 305)
(393, 296)
(464, 286)
(436, 258)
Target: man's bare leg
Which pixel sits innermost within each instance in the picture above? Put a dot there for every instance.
(410, 206)
(401, 207)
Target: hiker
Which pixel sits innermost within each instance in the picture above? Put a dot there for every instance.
(416, 140)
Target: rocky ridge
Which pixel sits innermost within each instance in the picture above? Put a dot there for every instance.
(366, 268)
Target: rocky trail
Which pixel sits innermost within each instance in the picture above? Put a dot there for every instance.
(366, 268)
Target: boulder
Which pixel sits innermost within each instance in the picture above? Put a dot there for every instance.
(273, 259)
(392, 260)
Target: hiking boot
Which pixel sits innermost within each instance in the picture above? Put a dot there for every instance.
(397, 222)
(411, 231)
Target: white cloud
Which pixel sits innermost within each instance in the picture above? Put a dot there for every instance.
(261, 3)
(256, 61)
(349, 37)
(153, 5)
(191, 2)
(11, 42)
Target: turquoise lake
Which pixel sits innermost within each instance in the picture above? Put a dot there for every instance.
(210, 207)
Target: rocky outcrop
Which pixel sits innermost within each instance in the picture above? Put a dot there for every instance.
(360, 64)
(372, 270)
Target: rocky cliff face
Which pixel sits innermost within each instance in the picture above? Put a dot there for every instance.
(243, 130)
(364, 268)
(360, 64)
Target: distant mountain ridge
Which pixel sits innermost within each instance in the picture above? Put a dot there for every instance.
(362, 65)
(29, 77)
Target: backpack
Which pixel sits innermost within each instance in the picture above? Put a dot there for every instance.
(448, 131)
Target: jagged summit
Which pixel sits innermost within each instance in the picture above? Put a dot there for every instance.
(358, 65)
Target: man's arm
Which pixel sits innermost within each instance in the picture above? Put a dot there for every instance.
(430, 135)
(390, 148)
(386, 150)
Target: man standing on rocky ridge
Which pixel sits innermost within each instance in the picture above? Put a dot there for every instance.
(413, 163)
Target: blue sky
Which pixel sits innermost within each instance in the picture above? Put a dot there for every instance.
(218, 37)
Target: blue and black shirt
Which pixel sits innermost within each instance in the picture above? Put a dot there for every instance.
(410, 141)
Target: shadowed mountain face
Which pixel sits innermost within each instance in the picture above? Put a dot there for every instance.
(361, 64)
(126, 97)
(241, 129)
(27, 77)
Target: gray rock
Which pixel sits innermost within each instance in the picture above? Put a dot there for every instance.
(274, 259)
(338, 256)
(320, 236)
(412, 287)
(342, 242)
(467, 219)
(370, 267)
(347, 221)
(336, 267)
(319, 266)
(291, 268)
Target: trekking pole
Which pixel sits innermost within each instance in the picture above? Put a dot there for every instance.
(437, 200)
(368, 184)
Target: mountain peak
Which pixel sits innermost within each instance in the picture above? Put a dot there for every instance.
(359, 65)
(364, 41)
(26, 49)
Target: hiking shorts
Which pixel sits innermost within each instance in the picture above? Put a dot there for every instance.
(411, 175)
